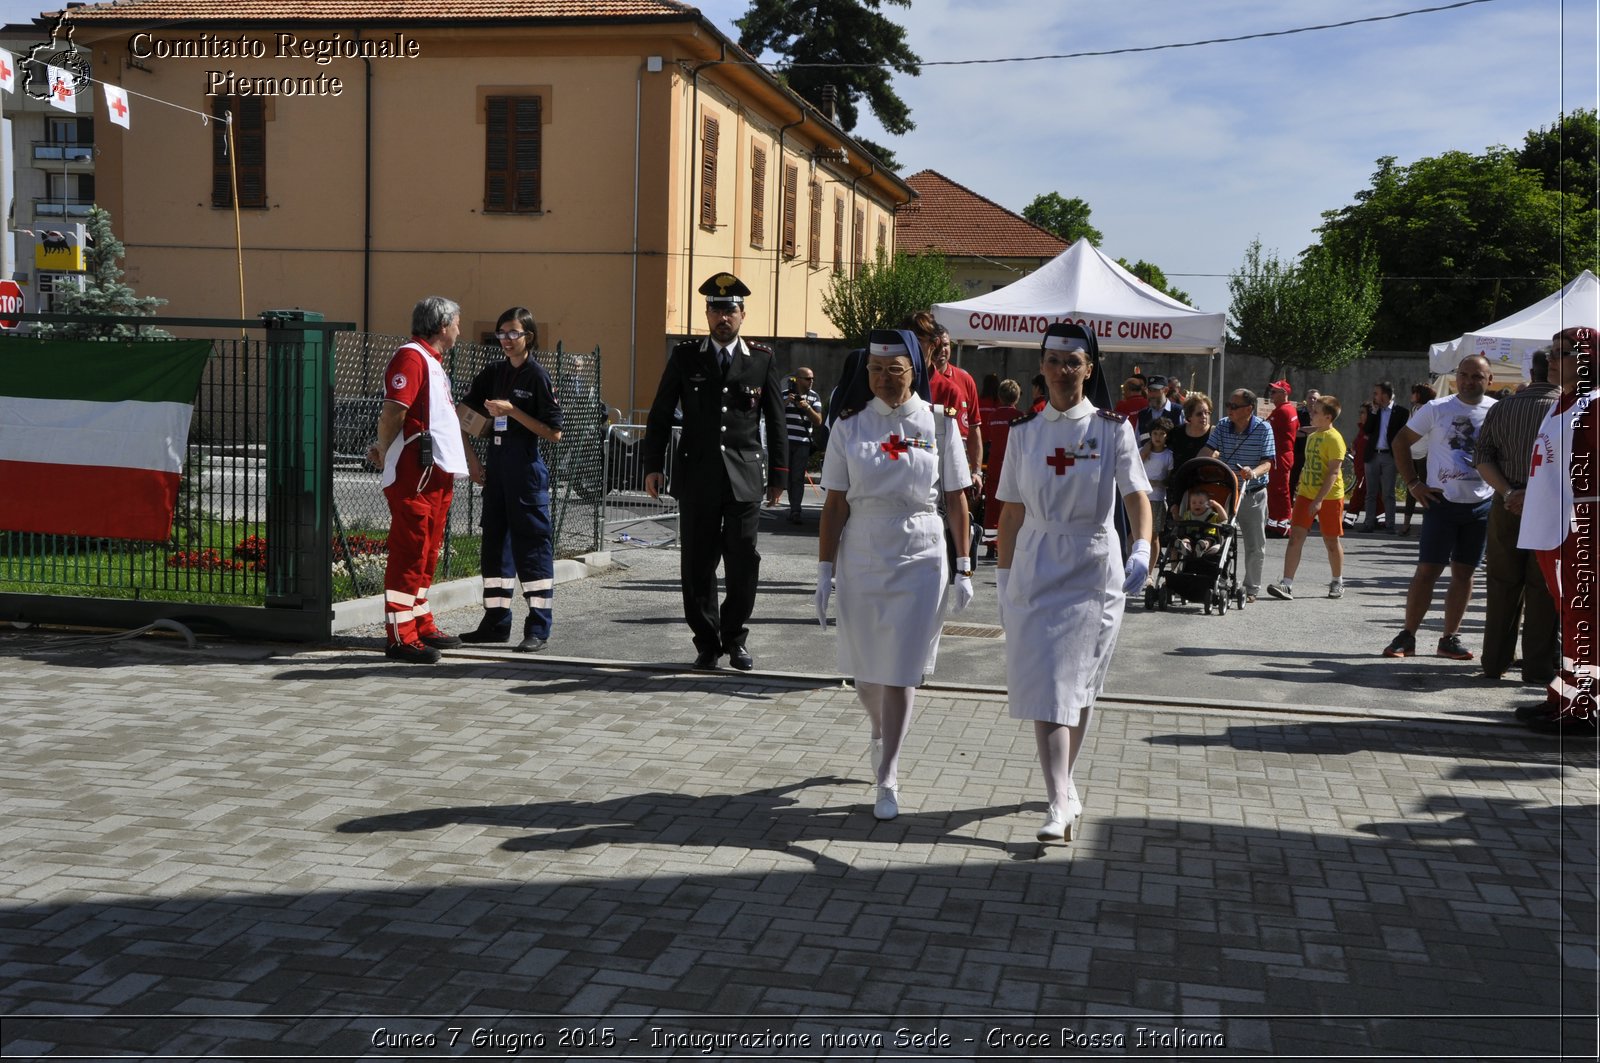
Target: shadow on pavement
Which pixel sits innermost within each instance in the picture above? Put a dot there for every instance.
(1462, 935)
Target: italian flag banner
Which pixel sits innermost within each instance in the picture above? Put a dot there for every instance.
(93, 435)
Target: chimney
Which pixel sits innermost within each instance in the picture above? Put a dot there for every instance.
(830, 103)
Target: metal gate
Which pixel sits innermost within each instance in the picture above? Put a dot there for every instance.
(632, 517)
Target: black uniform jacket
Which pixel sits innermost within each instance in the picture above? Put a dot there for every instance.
(722, 420)
(527, 387)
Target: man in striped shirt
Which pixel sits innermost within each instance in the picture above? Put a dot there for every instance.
(802, 413)
(1514, 586)
(1244, 442)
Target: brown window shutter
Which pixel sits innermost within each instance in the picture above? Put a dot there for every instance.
(250, 143)
(708, 173)
(883, 238)
(814, 240)
(513, 155)
(758, 196)
(791, 194)
(858, 238)
(838, 234)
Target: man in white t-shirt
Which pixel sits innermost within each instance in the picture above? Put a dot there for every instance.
(1455, 505)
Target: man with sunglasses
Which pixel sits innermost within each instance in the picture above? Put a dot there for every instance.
(728, 390)
(1564, 492)
(1244, 442)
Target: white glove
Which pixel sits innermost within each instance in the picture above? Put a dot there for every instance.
(824, 591)
(1001, 577)
(961, 592)
(1138, 570)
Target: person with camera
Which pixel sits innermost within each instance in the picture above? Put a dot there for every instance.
(802, 414)
(420, 450)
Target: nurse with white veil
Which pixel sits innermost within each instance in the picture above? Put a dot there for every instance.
(890, 457)
(1062, 579)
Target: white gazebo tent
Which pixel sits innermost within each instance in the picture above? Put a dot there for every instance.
(1081, 284)
(1510, 342)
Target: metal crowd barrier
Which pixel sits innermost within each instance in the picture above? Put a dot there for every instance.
(627, 506)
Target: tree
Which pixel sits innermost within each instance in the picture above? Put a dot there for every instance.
(1567, 157)
(1151, 274)
(1067, 218)
(1462, 240)
(103, 292)
(1313, 315)
(865, 45)
(885, 292)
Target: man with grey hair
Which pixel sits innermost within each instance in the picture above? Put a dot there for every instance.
(421, 453)
(1244, 442)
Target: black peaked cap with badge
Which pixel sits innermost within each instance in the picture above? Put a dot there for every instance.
(724, 291)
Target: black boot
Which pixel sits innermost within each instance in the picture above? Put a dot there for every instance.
(494, 627)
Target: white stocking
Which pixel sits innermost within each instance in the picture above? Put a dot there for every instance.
(1055, 742)
(897, 703)
(871, 698)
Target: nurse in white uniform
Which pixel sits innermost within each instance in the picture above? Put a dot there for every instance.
(1062, 580)
(889, 457)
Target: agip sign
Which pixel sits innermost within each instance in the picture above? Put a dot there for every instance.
(60, 252)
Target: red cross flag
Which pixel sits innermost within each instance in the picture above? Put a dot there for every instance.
(117, 104)
(62, 93)
(8, 71)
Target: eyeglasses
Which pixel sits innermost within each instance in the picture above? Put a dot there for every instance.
(896, 371)
(805, 378)
(1064, 363)
(509, 334)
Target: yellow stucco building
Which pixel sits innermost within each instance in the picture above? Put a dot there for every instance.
(594, 160)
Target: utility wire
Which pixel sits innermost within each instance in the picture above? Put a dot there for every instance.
(1151, 47)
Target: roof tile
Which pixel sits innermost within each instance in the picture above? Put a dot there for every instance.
(954, 220)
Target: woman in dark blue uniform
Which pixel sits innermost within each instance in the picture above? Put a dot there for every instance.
(518, 548)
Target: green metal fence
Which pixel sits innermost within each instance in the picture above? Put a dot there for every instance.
(251, 536)
(361, 514)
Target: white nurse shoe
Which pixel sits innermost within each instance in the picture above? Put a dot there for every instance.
(1054, 828)
(888, 805)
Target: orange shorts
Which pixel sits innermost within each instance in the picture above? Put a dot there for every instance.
(1330, 515)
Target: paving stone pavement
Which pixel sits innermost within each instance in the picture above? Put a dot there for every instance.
(227, 853)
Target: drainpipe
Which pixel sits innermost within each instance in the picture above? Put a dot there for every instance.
(633, 300)
(694, 187)
(366, 206)
(777, 260)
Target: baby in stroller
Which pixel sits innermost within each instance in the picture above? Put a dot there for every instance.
(1196, 533)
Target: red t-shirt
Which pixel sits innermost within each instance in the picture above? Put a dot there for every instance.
(954, 387)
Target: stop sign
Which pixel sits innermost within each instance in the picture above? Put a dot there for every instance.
(10, 304)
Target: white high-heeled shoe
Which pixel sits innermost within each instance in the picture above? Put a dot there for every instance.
(888, 804)
(1054, 827)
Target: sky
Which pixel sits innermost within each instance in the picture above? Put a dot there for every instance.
(1187, 155)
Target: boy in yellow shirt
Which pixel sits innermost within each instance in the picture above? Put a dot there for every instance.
(1320, 497)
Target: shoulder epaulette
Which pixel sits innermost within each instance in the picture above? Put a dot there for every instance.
(762, 347)
(1111, 415)
(848, 413)
(1024, 419)
(949, 411)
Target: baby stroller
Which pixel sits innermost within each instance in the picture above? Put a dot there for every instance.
(1199, 561)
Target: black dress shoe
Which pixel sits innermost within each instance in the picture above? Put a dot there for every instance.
(483, 636)
(1535, 712)
(439, 640)
(740, 658)
(706, 660)
(411, 653)
(531, 644)
(1565, 726)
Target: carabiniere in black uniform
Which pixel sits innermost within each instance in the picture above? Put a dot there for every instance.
(721, 470)
(518, 546)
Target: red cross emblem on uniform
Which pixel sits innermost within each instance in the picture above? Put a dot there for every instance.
(1060, 460)
(1538, 460)
(894, 447)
